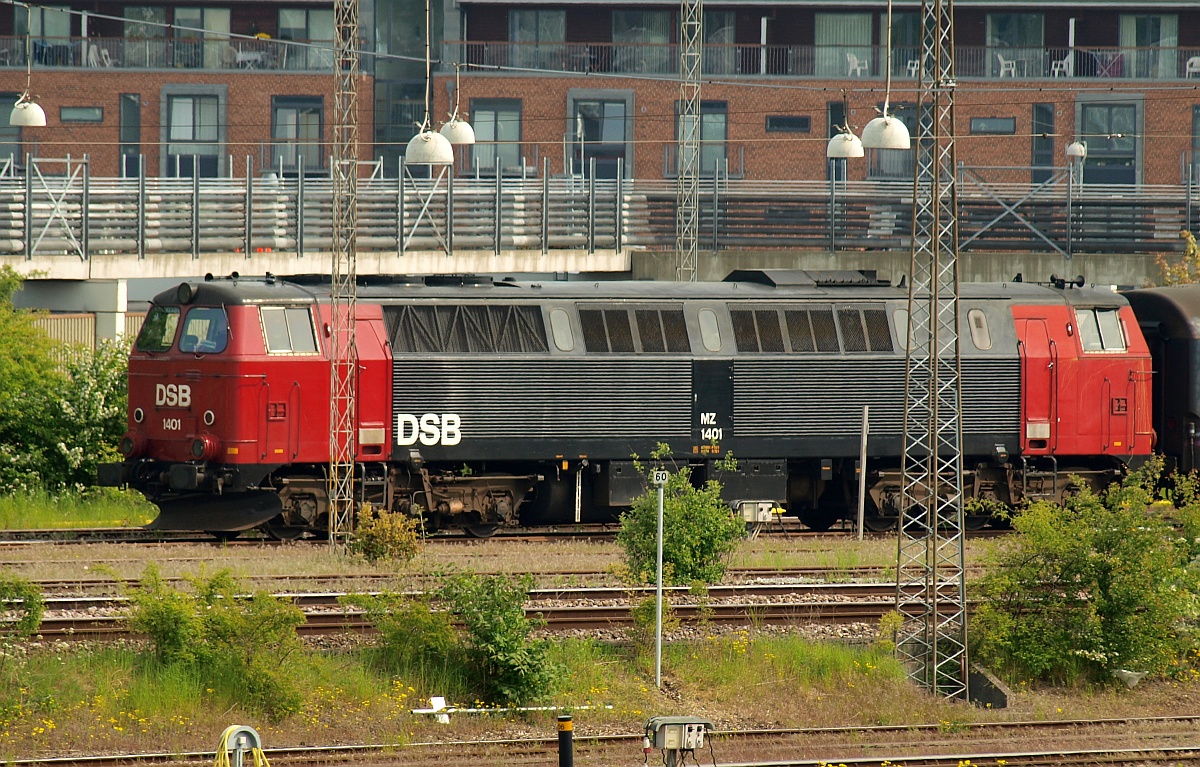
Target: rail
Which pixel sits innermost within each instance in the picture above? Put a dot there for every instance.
(69, 214)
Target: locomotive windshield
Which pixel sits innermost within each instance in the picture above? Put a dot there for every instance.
(206, 331)
(158, 331)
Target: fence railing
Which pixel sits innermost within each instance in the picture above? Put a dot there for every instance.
(840, 61)
(169, 53)
(52, 212)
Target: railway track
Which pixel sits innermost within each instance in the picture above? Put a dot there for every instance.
(562, 609)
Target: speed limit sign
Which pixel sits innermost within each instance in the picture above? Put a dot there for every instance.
(660, 476)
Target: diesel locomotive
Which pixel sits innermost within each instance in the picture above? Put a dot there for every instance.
(495, 403)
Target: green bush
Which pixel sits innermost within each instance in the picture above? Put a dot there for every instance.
(236, 642)
(699, 531)
(1080, 590)
(412, 636)
(383, 535)
(512, 667)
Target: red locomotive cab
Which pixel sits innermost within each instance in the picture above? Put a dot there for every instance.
(1085, 378)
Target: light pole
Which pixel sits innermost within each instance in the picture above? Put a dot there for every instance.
(659, 477)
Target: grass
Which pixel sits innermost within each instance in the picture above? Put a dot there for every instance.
(98, 507)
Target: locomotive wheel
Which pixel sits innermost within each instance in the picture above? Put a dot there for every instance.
(820, 520)
(975, 521)
(224, 535)
(878, 524)
(278, 528)
(480, 531)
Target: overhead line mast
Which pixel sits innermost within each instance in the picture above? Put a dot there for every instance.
(687, 147)
(930, 586)
(343, 353)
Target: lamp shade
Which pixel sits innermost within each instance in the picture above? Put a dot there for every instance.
(886, 132)
(27, 114)
(429, 148)
(844, 145)
(458, 133)
(1077, 149)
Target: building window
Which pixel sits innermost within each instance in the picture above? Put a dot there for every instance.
(48, 24)
(906, 42)
(1110, 131)
(895, 163)
(202, 38)
(1042, 158)
(145, 30)
(843, 45)
(835, 120)
(497, 124)
(996, 126)
(538, 36)
(296, 130)
(313, 25)
(1148, 46)
(81, 114)
(11, 150)
(642, 42)
(130, 134)
(1015, 44)
(713, 118)
(720, 55)
(193, 135)
(600, 129)
(789, 124)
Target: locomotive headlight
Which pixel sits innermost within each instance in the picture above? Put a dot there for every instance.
(204, 447)
(138, 415)
(132, 444)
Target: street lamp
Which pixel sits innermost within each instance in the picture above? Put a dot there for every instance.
(27, 113)
(885, 131)
(1076, 154)
(428, 147)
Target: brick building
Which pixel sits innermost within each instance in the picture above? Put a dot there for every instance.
(583, 80)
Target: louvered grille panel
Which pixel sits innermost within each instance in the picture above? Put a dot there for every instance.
(675, 330)
(595, 339)
(853, 337)
(878, 333)
(819, 397)
(466, 329)
(824, 330)
(532, 398)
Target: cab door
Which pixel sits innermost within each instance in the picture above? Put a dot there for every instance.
(1039, 386)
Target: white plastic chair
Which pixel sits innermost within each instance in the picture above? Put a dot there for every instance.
(1061, 68)
(1192, 67)
(856, 65)
(1007, 66)
(914, 67)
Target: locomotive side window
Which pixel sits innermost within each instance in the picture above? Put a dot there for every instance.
(288, 329)
(710, 333)
(158, 330)
(1100, 330)
(560, 326)
(980, 335)
(206, 331)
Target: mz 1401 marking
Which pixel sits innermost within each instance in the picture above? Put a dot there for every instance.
(430, 429)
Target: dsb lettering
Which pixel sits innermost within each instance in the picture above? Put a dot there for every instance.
(430, 429)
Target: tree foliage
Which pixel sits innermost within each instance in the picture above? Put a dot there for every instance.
(699, 530)
(58, 420)
(1186, 270)
(1101, 583)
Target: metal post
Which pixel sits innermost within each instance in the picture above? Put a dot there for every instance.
(300, 207)
(591, 209)
(658, 597)
(85, 205)
(195, 216)
(619, 213)
(545, 205)
(716, 200)
(1070, 206)
(566, 742)
(1187, 210)
(29, 204)
(833, 171)
(862, 470)
(249, 244)
(141, 208)
(400, 208)
(449, 212)
(499, 205)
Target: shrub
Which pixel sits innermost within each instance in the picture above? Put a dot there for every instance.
(1097, 584)
(699, 531)
(382, 535)
(412, 636)
(512, 667)
(241, 643)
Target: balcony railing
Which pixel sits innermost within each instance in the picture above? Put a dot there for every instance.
(839, 61)
(168, 53)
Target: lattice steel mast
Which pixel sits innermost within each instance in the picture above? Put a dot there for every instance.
(343, 353)
(687, 146)
(930, 590)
